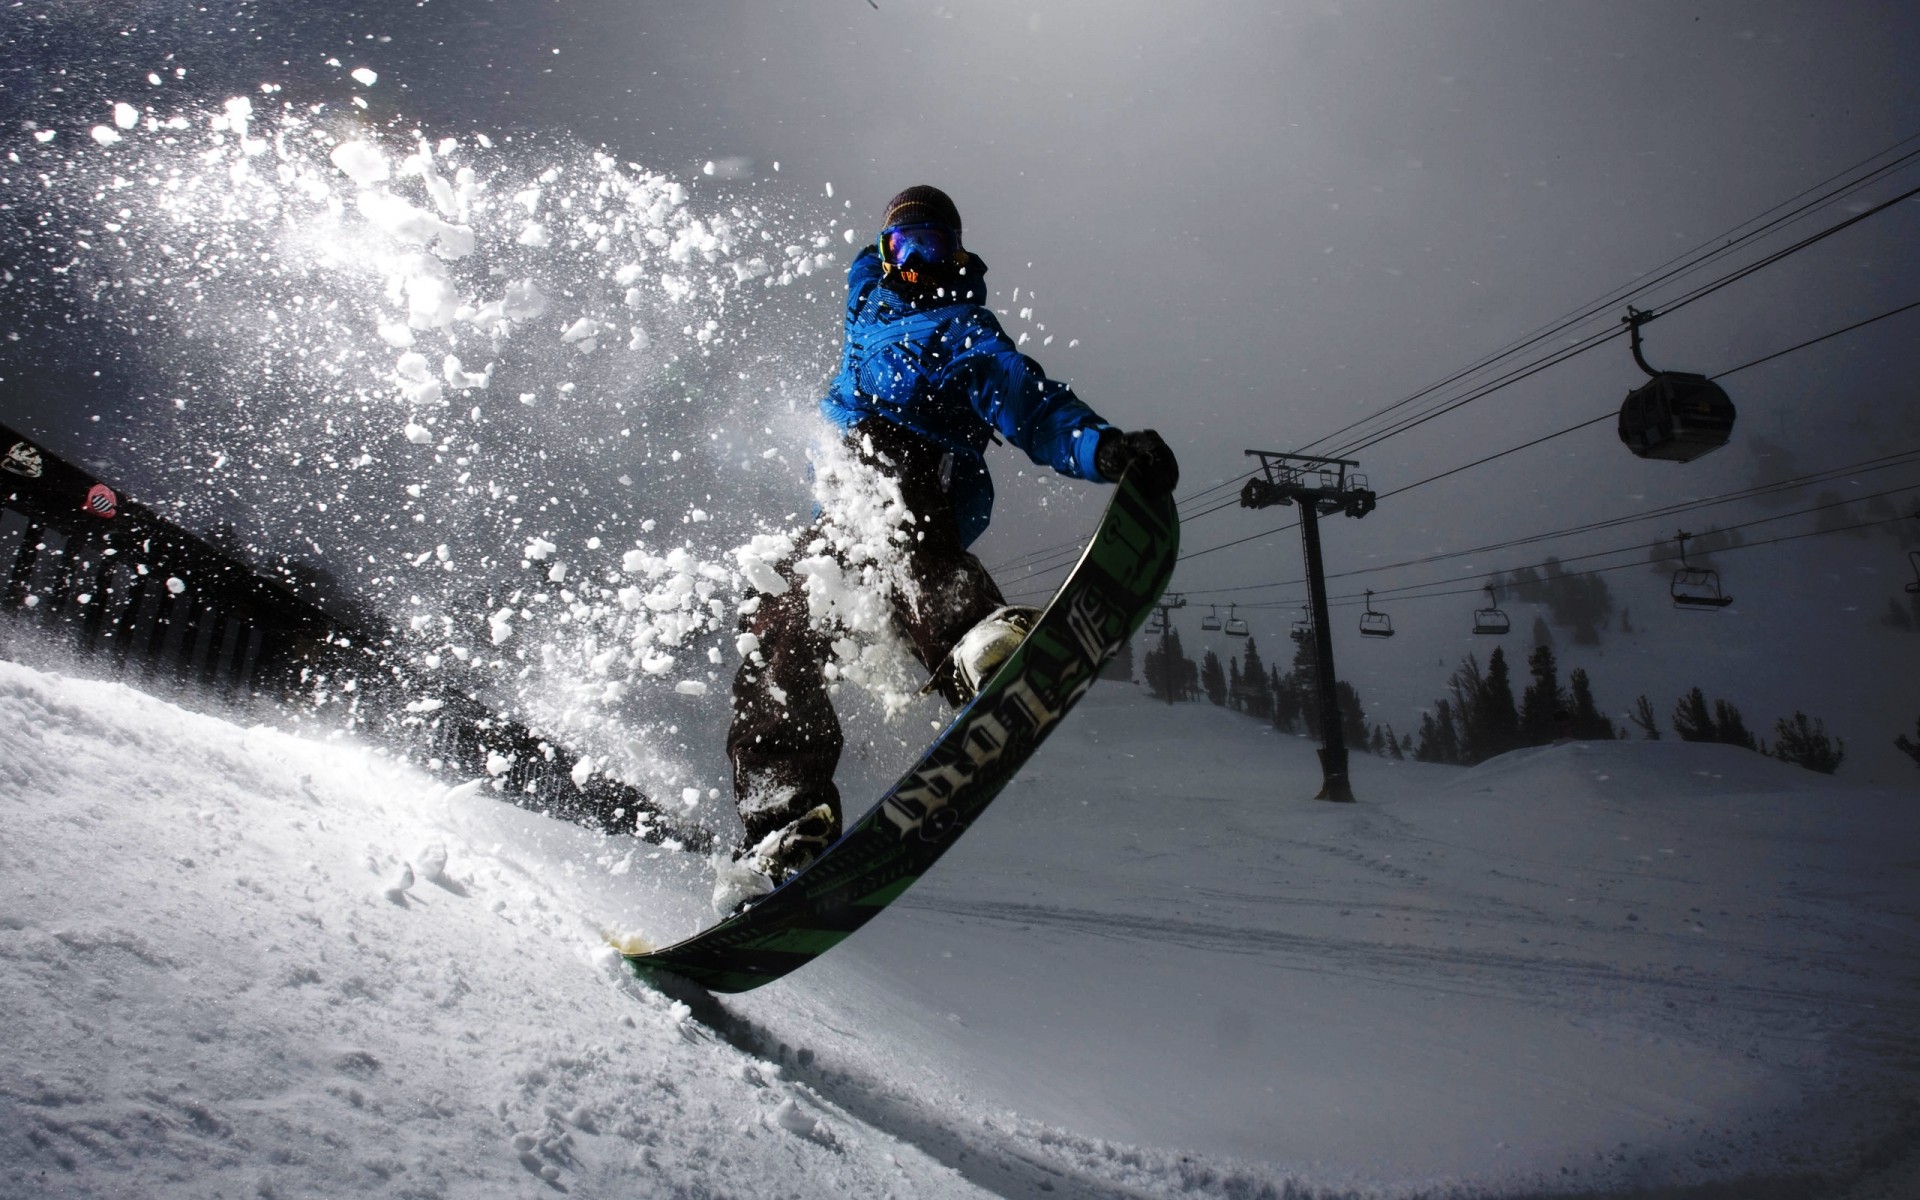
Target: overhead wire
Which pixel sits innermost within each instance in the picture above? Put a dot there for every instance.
(1569, 429)
(1792, 483)
(1045, 561)
(1417, 591)
(1680, 264)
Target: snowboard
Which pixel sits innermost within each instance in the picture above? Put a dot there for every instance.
(1112, 588)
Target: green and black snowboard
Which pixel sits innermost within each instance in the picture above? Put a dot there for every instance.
(1109, 594)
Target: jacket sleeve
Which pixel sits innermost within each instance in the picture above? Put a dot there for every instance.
(1012, 394)
(863, 275)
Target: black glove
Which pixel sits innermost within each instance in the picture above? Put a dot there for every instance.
(1142, 451)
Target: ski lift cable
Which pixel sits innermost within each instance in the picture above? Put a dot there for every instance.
(1549, 437)
(1348, 601)
(1794, 483)
(1526, 371)
(1402, 592)
(1815, 341)
(1540, 365)
(1661, 274)
(1405, 424)
(1591, 342)
(1706, 290)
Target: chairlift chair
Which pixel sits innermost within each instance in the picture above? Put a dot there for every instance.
(1157, 623)
(1236, 626)
(1211, 622)
(1675, 415)
(1696, 587)
(1375, 624)
(1302, 628)
(1490, 619)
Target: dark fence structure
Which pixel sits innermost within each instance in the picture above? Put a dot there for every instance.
(111, 580)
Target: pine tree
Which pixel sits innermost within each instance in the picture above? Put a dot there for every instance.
(1236, 694)
(1692, 720)
(1378, 742)
(1168, 670)
(1728, 726)
(1805, 743)
(1542, 635)
(1353, 721)
(1589, 723)
(1393, 746)
(1910, 747)
(1489, 723)
(1642, 715)
(1254, 677)
(1213, 679)
(1120, 666)
(1543, 706)
(1287, 701)
(1439, 738)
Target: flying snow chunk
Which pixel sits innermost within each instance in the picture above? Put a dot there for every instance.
(538, 549)
(361, 162)
(457, 376)
(105, 136)
(365, 77)
(584, 328)
(419, 435)
(524, 300)
(177, 585)
(126, 116)
(691, 687)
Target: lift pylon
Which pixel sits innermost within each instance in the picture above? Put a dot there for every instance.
(1319, 487)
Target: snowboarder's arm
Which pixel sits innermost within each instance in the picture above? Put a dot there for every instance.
(1041, 416)
(863, 275)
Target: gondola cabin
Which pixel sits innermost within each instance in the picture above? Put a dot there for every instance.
(1676, 416)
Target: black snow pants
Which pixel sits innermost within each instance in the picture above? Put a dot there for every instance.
(785, 739)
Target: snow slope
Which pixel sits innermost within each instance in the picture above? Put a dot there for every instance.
(239, 963)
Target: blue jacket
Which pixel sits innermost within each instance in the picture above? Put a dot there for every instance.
(948, 372)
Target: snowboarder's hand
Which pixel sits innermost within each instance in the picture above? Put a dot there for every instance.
(1143, 450)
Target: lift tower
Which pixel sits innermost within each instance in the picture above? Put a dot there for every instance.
(1320, 487)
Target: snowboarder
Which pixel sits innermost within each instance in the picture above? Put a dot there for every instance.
(927, 378)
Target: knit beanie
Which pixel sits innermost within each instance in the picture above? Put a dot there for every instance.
(921, 204)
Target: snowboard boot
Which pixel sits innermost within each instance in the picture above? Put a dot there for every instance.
(988, 644)
(777, 858)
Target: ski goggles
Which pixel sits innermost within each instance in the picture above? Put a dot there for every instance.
(901, 244)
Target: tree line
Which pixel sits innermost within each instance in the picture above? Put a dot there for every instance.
(1480, 717)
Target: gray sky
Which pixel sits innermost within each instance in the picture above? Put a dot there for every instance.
(1260, 221)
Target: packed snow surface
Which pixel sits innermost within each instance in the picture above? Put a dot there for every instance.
(236, 962)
